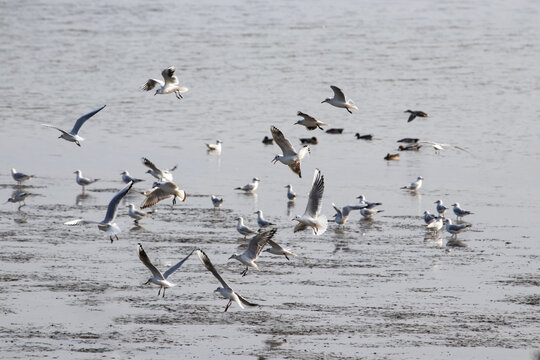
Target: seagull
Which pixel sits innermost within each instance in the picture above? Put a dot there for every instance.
(416, 113)
(277, 249)
(261, 221)
(255, 246)
(217, 202)
(438, 147)
(309, 122)
(170, 85)
(160, 174)
(455, 229)
(242, 229)
(408, 140)
(108, 225)
(369, 213)
(226, 290)
(441, 209)
(460, 213)
(312, 217)
(415, 185)
(162, 191)
(291, 195)
(158, 277)
(136, 214)
(214, 147)
(126, 178)
(342, 215)
(339, 100)
(19, 197)
(252, 186)
(83, 181)
(19, 177)
(290, 157)
(428, 217)
(367, 204)
(73, 135)
(436, 224)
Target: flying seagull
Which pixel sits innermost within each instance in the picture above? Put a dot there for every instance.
(160, 174)
(290, 157)
(342, 215)
(277, 249)
(170, 85)
(309, 122)
(158, 277)
(108, 225)
(162, 191)
(73, 135)
(255, 246)
(438, 146)
(312, 216)
(225, 290)
(339, 100)
(416, 113)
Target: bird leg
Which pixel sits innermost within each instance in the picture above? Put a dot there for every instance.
(164, 291)
(159, 291)
(350, 112)
(286, 257)
(228, 304)
(174, 201)
(178, 95)
(111, 238)
(243, 273)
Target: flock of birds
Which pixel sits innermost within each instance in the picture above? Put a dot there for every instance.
(164, 188)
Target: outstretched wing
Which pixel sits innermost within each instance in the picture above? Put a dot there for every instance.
(306, 116)
(258, 243)
(80, 121)
(338, 94)
(338, 210)
(168, 75)
(175, 267)
(155, 196)
(113, 204)
(208, 264)
(54, 127)
(299, 227)
(80, 222)
(146, 261)
(282, 142)
(244, 301)
(151, 83)
(412, 116)
(295, 167)
(275, 245)
(315, 195)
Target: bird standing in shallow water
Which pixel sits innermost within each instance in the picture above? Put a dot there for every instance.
(19, 177)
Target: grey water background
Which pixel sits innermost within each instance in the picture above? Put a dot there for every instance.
(374, 289)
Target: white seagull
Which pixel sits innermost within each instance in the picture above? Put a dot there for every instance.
(158, 277)
(19, 177)
(226, 291)
(339, 100)
(217, 202)
(369, 213)
(415, 185)
(277, 249)
(215, 147)
(290, 157)
(291, 195)
(252, 186)
(342, 215)
(170, 85)
(438, 146)
(255, 246)
(136, 214)
(162, 191)
(73, 135)
(460, 213)
(243, 229)
(367, 204)
(435, 224)
(441, 209)
(261, 221)
(108, 225)
(309, 122)
(83, 181)
(126, 177)
(312, 217)
(455, 229)
(160, 174)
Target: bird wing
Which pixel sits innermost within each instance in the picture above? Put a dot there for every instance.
(304, 150)
(244, 301)
(146, 261)
(295, 167)
(412, 117)
(151, 83)
(80, 121)
(54, 127)
(155, 196)
(275, 245)
(347, 209)
(175, 267)
(208, 264)
(299, 227)
(113, 204)
(306, 116)
(173, 168)
(282, 142)
(258, 243)
(338, 210)
(338, 94)
(168, 75)
(315, 195)
(150, 164)
(80, 222)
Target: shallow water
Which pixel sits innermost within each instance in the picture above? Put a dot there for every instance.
(379, 289)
